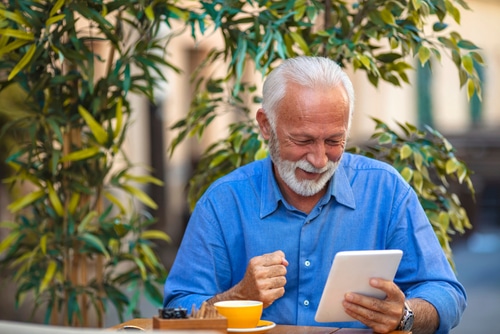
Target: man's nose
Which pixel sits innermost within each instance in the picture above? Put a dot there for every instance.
(317, 157)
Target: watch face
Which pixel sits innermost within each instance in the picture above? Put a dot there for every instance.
(408, 322)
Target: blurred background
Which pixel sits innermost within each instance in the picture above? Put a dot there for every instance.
(433, 98)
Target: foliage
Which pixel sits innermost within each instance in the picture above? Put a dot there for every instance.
(381, 38)
(76, 240)
(427, 161)
(377, 37)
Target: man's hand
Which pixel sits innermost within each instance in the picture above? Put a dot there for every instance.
(264, 279)
(380, 315)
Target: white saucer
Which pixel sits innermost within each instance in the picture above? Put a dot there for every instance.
(262, 327)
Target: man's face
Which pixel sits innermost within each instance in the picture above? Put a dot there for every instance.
(310, 136)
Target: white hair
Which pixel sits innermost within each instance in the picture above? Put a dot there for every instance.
(307, 72)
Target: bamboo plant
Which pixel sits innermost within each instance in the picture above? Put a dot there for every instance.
(80, 240)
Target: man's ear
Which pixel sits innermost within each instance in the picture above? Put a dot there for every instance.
(264, 125)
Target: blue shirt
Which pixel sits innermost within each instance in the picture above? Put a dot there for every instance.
(368, 205)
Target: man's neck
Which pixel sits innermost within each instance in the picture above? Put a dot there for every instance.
(300, 202)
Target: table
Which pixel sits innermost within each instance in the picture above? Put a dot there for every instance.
(147, 324)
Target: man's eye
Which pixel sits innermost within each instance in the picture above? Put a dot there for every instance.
(334, 142)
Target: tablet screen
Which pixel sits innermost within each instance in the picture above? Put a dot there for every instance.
(351, 272)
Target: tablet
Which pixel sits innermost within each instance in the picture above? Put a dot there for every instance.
(351, 272)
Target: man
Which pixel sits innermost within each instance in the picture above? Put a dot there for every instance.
(269, 230)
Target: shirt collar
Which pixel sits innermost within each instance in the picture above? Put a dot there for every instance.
(339, 188)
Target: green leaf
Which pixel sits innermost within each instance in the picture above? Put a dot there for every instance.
(54, 200)
(54, 19)
(49, 274)
(143, 179)
(115, 201)
(387, 16)
(405, 151)
(297, 38)
(365, 61)
(142, 268)
(16, 17)
(463, 44)
(13, 46)
(418, 159)
(82, 227)
(261, 153)
(140, 195)
(155, 234)
(23, 62)
(9, 240)
(444, 220)
(468, 64)
(418, 181)
(43, 244)
(28, 36)
(8, 225)
(73, 202)
(439, 26)
(94, 242)
(218, 159)
(470, 89)
(58, 5)
(118, 117)
(25, 201)
(424, 54)
(300, 8)
(150, 14)
(153, 294)
(385, 138)
(148, 256)
(407, 174)
(97, 130)
(417, 4)
(452, 165)
(81, 155)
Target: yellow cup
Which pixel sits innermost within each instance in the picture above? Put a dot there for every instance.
(240, 313)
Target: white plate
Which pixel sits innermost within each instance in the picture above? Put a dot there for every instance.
(262, 327)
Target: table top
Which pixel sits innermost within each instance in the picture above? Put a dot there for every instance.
(147, 324)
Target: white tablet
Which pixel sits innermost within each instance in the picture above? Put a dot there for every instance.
(351, 272)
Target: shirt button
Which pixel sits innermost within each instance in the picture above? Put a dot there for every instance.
(306, 302)
(307, 263)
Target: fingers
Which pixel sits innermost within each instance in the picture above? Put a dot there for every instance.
(380, 315)
(265, 277)
(270, 259)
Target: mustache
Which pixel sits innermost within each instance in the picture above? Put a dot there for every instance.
(306, 166)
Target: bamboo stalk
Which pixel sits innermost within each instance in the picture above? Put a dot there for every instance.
(84, 299)
(100, 273)
(74, 278)
(66, 253)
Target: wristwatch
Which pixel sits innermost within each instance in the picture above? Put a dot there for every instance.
(407, 319)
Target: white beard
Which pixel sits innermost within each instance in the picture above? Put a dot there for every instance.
(286, 170)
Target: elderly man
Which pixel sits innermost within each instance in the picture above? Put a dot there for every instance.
(269, 230)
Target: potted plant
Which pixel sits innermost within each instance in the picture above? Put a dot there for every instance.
(81, 236)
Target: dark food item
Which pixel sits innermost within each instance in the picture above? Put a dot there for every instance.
(173, 313)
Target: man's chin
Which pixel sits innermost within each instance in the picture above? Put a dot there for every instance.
(308, 189)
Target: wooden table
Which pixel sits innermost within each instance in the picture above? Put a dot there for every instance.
(147, 324)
